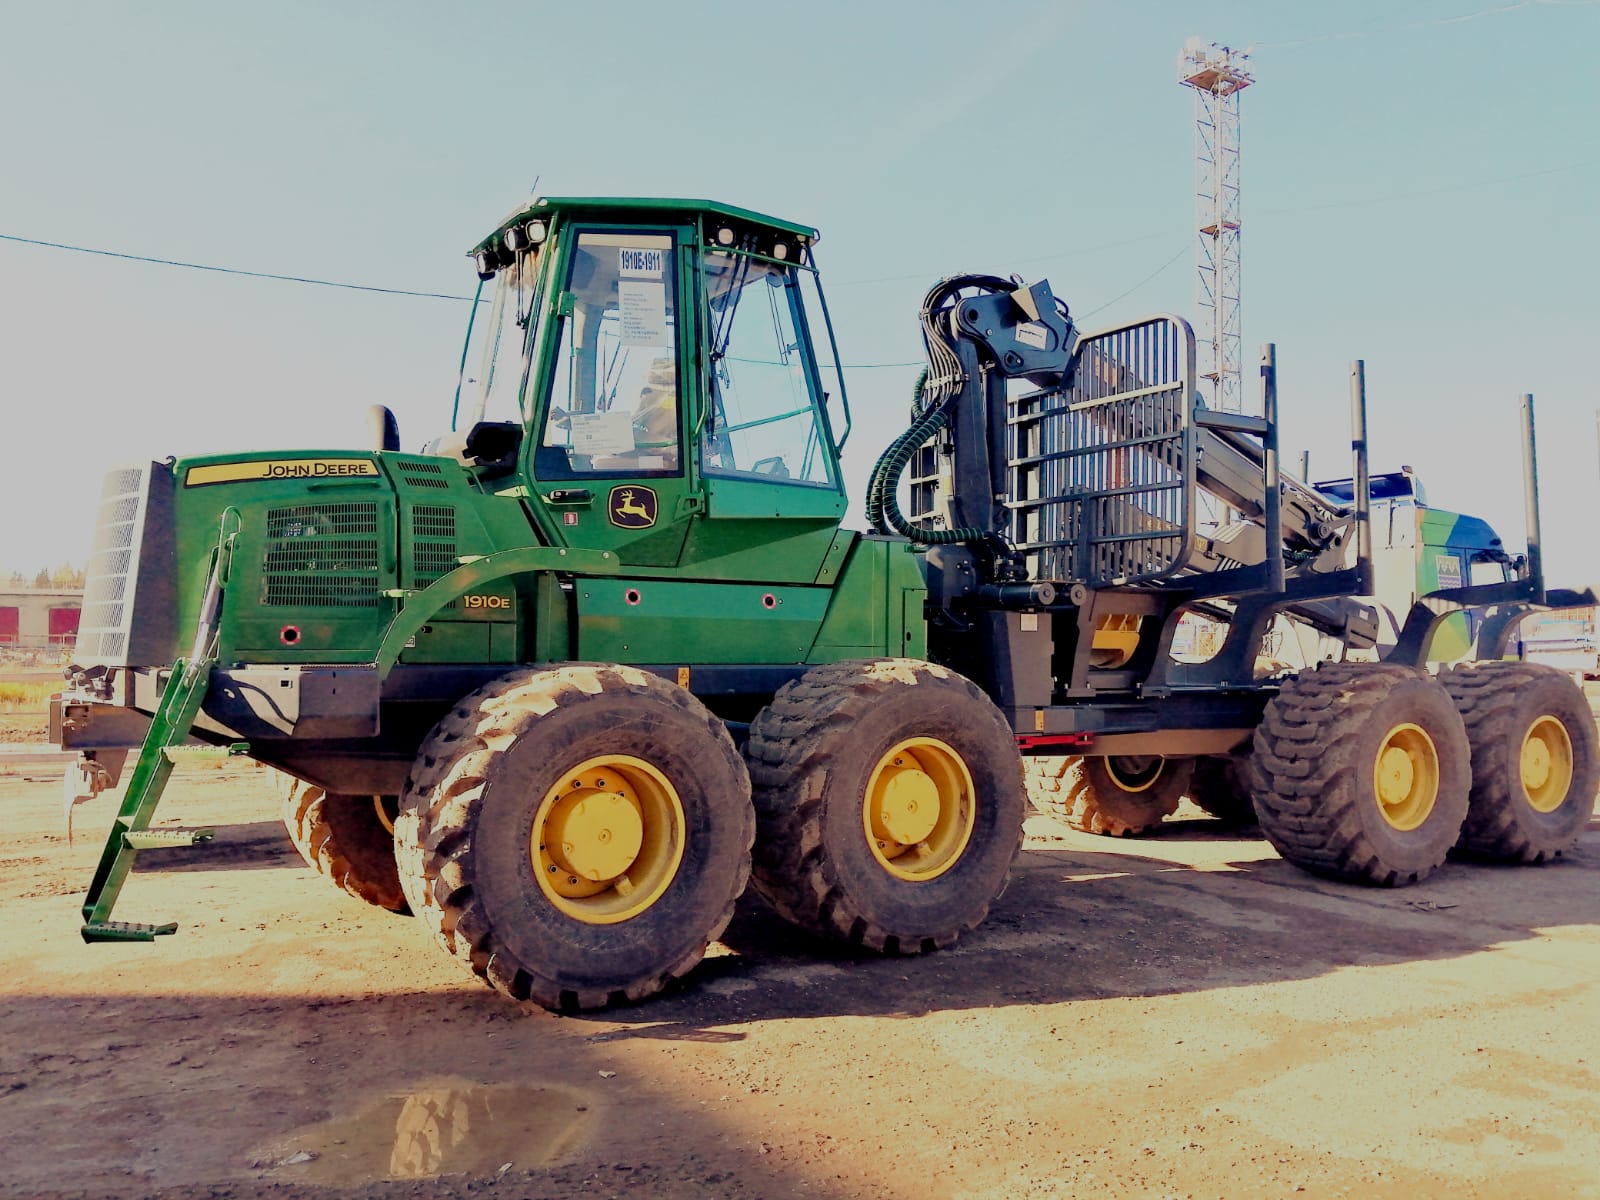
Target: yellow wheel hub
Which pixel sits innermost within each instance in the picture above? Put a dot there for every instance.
(920, 809)
(1405, 776)
(1546, 764)
(1135, 773)
(608, 839)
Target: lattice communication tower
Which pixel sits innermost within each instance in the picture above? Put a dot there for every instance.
(1217, 75)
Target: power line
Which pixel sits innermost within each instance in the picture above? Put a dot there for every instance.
(1137, 286)
(172, 262)
(360, 287)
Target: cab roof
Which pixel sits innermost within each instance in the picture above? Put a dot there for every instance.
(638, 209)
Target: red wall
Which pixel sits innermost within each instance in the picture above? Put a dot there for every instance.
(8, 624)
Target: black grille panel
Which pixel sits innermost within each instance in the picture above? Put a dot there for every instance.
(433, 544)
(322, 520)
(423, 475)
(321, 556)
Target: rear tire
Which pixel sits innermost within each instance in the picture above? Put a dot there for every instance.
(345, 838)
(577, 835)
(888, 802)
(1117, 795)
(1533, 760)
(1361, 772)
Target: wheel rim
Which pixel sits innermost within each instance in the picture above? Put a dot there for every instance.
(1546, 764)
(1135, 772)
(385, 817)
(1406, 776)
(920, 809)
(608, 839)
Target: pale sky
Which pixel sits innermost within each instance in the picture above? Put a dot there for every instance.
(1420, 187)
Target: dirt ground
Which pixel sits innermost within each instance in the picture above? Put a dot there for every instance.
(1184, 1015)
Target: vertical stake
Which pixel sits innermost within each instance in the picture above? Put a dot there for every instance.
(1274, 497)
(1530, 499)
(1363, 481)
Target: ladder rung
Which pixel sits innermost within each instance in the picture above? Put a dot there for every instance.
(152, 839)
(125, 931)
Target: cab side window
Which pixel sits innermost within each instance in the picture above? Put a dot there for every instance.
(614, 404)
(763, 422)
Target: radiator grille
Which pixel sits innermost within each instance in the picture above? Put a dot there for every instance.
(321, 556)
(102, 625)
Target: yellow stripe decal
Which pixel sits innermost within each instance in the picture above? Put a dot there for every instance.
(279, 468)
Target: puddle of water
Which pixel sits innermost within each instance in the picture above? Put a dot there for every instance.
(450, 1129)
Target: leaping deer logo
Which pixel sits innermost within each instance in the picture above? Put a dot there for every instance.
(633, 507)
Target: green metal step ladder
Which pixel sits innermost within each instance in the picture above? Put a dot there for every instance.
(169, 728)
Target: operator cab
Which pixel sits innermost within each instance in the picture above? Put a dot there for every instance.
(642, 365)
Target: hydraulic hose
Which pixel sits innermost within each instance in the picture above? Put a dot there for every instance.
(933, 397)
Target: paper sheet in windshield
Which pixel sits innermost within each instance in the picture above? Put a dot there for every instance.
(602, 433)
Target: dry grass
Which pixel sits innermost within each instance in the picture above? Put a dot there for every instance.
(27, 697)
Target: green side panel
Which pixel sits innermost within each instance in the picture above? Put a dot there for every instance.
(551, 636)
(844, 541)
(324, 535)
(310, 566)
(913, 623)
(877, 605)
(782, 550)
(442, 518)
(662, 621)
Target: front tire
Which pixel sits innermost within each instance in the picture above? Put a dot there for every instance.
(889, 804)
(577, 835)
(1362, 772)
(1533, 760)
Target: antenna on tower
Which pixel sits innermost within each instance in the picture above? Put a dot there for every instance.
(1217, 74)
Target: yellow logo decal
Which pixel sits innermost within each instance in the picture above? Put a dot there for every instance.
(632, 507)
(474, 601)
(279, 468)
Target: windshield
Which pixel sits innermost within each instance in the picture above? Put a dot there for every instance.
(614, 383)
(495, 359)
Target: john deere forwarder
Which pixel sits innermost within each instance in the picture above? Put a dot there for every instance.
(562, 683)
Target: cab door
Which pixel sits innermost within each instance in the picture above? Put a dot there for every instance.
(767, 455)
(609, 464)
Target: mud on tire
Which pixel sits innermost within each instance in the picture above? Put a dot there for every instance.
(535, 774)
(839, 763)
(1533, 760)
(1361, 772)
(346, 839)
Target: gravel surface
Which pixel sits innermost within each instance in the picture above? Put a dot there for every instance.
(1179, 1015)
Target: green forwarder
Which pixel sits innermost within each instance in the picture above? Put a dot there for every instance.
(561, 683)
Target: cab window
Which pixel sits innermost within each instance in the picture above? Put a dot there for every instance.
(763, 422)
(614, 397)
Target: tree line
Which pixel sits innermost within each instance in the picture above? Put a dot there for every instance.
(64, 576)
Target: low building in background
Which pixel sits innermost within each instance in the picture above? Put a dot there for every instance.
(38, 624)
